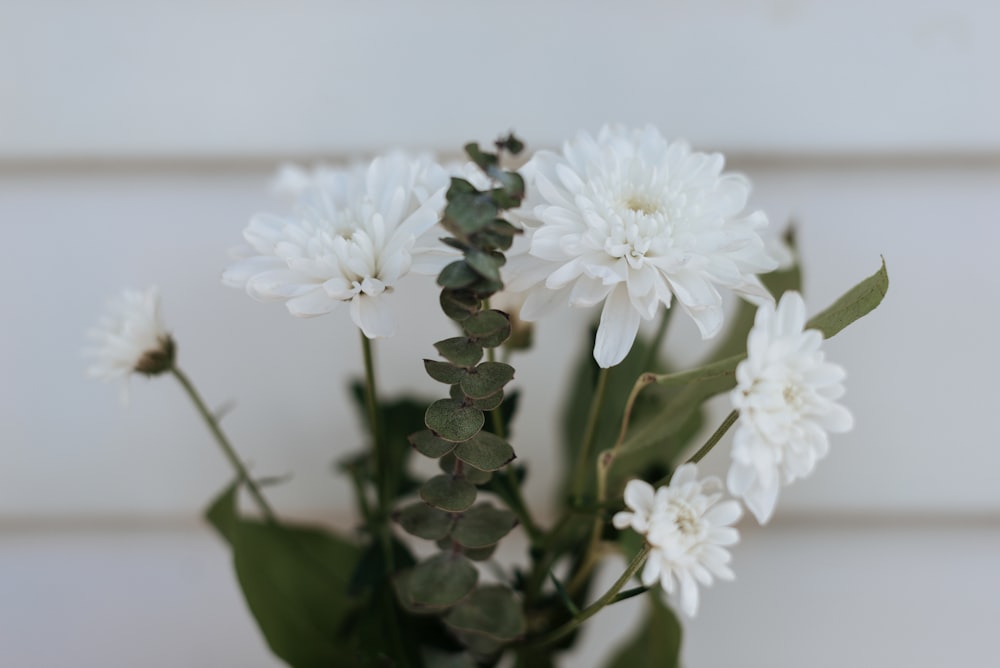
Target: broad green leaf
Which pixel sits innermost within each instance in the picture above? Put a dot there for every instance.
(453, 421)
(469, 212)
(424, 521)
(440, 582)
(448, 493)
(482, 525)
(657, 643)
(295, 581)
(490, 615)
(485, 451)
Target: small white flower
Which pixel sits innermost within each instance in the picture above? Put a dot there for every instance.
(355, 234)
(785, 395)
(131, 338)
(687, 529)
(633, 220)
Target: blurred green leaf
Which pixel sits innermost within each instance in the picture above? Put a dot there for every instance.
(482, 525)
(440, 581)
(424, 521)
(448, 493)
(489, 328)
(457, 275)
(656, 645)
(295, 581)
(488, 618)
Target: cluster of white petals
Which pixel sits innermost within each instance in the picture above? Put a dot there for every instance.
(687, 529)
(355, 233)
(635, 221)
(785, 395)
(131, 337)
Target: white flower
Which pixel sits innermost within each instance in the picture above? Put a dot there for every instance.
(687, 530)
(785, 395)
(355, 234)
(633, 220)
(131, 338)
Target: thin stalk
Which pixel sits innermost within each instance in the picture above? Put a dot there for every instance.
(580, 472)
(714, 438)
(375, 424)
(224, 444)
(598, 605)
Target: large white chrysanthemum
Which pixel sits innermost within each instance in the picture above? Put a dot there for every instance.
(131, 338)
(688, 531)
(633, 220)
(355, 234)
(785, 395)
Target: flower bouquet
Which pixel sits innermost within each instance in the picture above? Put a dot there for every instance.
(624, 220)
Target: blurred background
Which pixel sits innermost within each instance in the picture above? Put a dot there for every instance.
(137, 139)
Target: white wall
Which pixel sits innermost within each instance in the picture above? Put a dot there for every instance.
(135, 141)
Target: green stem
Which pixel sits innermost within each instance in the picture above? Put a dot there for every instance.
(598, 605)
(227, 448)
(375, 424)
(583, 460)
(709, 444)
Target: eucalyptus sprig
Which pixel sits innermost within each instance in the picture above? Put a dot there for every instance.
(466, 530)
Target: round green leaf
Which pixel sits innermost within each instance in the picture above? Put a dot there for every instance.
(470, 473)
(482, 526)
(457, 275)
(492, 612)
(458, 304)
(486, 379)
(485, 451)
(444, 372)
(460, 350)
(453, 421)
(489, 328)
(448, 493)
(486, 265)
(429, 445)
(425, 522)
(486, 403)
(441, 581)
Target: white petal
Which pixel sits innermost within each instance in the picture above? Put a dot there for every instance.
(617, 330)
(373, 315)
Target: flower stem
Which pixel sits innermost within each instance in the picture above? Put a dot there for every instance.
(374, 424)
(227, 448)
(714, 438)
(591, 610)
(583, 460)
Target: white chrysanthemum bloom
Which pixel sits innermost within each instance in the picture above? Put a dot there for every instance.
(633, 220)
(131, 338)
(687, 529)
(785, 394)
(355, 234)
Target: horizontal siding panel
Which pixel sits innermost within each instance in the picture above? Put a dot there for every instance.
(187, 78)
(921, 370)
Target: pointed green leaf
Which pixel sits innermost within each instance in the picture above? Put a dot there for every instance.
(483, 525)
(460, 350)
(448, 493)
(485, 451)
(856, 303)
(424, 521)
(429, 445)
(441, 581)
(486, 379)
(443, 372)
(453, 421)
(295, 582)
